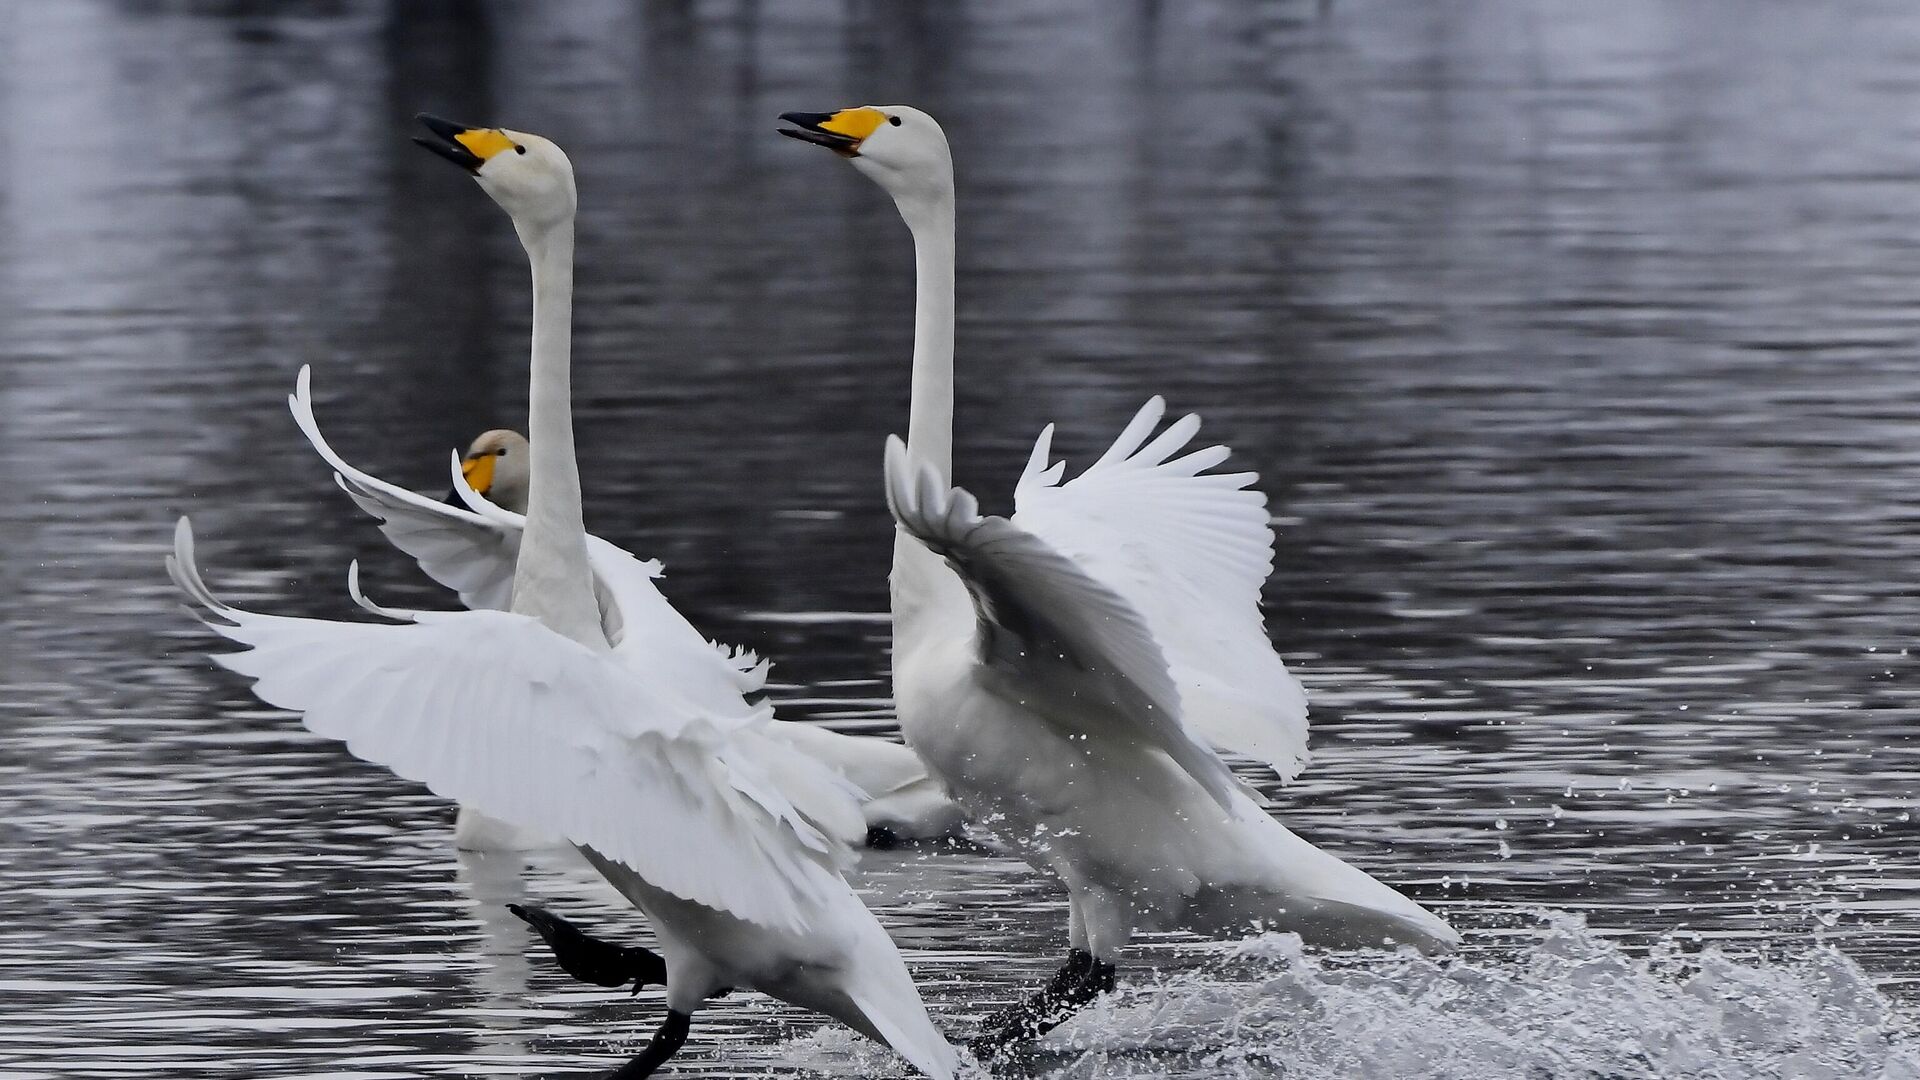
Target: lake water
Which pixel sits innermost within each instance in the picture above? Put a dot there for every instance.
(1575, 344)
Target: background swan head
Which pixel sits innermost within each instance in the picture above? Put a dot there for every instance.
(899, 147)
(526, 174)
(497, 466)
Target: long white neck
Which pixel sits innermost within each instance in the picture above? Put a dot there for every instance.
(930, 416)
(552, 580)
(927, 597)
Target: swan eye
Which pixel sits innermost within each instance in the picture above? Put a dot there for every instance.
(502, 452)
(894, 120)
(518, 149)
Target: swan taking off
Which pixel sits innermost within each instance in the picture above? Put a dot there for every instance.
(1071, 672)
(471, 547)
(650, 760)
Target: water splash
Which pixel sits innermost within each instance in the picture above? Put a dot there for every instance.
(1571, 1006)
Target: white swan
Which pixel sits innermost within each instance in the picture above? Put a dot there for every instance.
(472, 550)
(1064, 671)
(647, 757)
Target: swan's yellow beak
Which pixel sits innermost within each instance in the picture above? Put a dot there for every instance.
(841, 132)
(466, 146)
(479, 472)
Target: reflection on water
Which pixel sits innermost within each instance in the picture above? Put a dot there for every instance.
(1574, 342)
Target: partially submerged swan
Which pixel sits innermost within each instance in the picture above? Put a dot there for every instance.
(1069, 673)
(471, 549)
(645, 754)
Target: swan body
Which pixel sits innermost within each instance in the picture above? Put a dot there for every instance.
(1073, 673)
(731, 845)
(471, 549)
(650, 760)
(1093, 776)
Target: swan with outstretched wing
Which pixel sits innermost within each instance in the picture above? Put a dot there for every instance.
(1072, 674)
(620, 731)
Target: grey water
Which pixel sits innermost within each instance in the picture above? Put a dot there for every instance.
(1575, 344)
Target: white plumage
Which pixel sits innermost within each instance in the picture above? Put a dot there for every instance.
(1049, 706)
(732, 844)
(1070, 673)
(471, 550)
(493, 709)
(620, 730)
(1189, 550)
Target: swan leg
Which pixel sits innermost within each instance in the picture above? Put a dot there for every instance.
(1083, 978)
(591, 959)
(665, 1043)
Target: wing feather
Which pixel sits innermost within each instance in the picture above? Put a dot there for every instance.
(472, 551)
(1190, 550)
(1059, 639)
(466, 550)
(495, 710)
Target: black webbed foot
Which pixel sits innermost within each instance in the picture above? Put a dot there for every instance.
(591, 959)
(665, 1043)
(1081, 979)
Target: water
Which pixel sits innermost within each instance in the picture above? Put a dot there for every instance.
(1574, 342)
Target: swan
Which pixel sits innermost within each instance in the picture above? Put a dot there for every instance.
(646, 756)
(471, 550)
(902, 803)
(1071, 673)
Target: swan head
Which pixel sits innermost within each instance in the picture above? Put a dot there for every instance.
(899, 147)
(527, 175)
(497, 466)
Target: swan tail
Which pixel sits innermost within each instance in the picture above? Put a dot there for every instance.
(906, 1027)
(1327, 900)
(885, 996)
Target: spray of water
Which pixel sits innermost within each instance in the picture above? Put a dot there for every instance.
(1569, 1005)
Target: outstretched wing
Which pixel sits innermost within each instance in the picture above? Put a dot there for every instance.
(1189, 550)
(1061, 641)
(496, 711)
(472, 551)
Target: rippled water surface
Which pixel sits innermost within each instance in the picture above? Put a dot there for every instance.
(1575, 343)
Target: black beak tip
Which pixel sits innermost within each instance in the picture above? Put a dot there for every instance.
(443, 142)
(807, 128)
(440, 125)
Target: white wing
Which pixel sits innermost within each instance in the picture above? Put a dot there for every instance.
(472, 552)
(1189, 550)
(498, 712)
(1069, 647)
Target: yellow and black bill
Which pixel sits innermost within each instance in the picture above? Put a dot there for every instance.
(478, 469)
(463, 144)
(841, 132)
